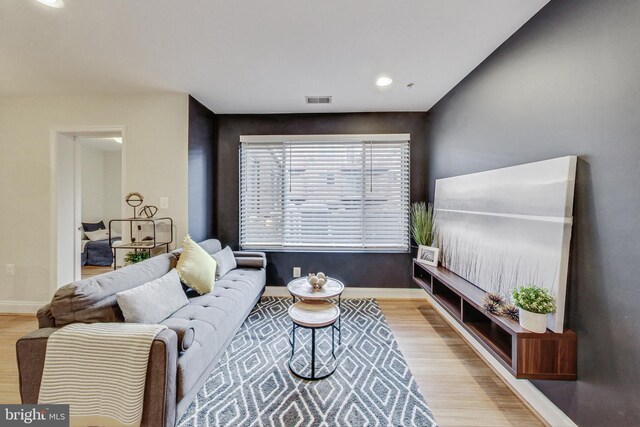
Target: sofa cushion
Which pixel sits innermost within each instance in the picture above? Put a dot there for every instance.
(225, 261)
(215, 317)
(94, 299)
(196, 268)
(211, 246)
(154, 301)
(245, 281)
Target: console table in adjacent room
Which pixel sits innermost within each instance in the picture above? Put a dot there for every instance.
(146, 235)
(525, 354)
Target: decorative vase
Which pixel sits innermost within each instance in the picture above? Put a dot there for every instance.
(534, 322)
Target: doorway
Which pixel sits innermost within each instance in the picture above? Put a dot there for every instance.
(88, 171)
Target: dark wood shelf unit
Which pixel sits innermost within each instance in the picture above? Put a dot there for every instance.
(527, 355)
(422, 278)
(450, 300)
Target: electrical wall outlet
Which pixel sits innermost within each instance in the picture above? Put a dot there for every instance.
(296, 272)
(164, 203)
(11, 270)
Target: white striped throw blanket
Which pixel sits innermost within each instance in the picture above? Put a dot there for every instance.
(99, 369)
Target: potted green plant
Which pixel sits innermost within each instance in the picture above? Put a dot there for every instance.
(422, 223)
(135, 257)
(534, 303)
(423, 233)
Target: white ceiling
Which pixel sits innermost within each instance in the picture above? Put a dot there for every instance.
(250, 56)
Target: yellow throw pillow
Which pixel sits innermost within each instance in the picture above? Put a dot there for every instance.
(196, 268)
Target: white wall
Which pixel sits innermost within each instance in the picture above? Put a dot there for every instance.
(92, 184)
(67, 183)
(101, 184)
(155, 151)
(112, 186)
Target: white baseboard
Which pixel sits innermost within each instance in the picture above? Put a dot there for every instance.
(527, 392)
(382, 293)
(21, 307)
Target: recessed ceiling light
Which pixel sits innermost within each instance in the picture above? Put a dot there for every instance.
(53, 3)
(384, 81)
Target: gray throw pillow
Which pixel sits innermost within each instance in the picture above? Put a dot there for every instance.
(154, 301)
(226, 261)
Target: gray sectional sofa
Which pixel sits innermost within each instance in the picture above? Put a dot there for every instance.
(173, 377)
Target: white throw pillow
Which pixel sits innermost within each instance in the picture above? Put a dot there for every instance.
(154, 301)
(226, 261)
(196, 268)
(100, 235)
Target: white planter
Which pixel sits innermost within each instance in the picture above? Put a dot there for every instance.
(534, 322)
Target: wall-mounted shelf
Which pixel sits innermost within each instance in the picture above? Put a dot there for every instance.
(547, 356)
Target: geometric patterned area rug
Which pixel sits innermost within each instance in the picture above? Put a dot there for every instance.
(252, 386)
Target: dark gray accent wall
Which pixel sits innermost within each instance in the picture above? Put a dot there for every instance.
(355, 269)
(202, 173)
(568, 82)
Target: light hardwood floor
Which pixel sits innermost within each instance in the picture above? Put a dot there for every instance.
(458, 386)
(12, 327)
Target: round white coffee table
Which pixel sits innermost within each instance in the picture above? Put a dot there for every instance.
(300, 288)
(313, 315)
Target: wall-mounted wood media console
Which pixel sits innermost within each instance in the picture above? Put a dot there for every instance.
(547, 356)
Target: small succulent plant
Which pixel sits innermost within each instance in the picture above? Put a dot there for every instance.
(492, 307)
(495, 297)
(493, 302)
(511, 311)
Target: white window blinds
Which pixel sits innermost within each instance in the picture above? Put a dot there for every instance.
(325, 193)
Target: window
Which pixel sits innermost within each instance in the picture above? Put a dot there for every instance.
(325, 192)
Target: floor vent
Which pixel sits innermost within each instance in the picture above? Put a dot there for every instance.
(318, 99)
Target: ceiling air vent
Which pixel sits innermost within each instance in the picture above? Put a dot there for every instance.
(318, 99)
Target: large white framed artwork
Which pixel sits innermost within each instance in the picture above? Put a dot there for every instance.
(508, 227)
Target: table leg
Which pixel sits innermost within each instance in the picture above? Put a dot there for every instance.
(339, 320)
(333, 346)
(313, 353)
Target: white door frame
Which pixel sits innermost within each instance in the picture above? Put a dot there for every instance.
(54, 134)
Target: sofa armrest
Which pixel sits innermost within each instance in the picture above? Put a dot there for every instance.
(160, 388)
(30, 352)
(240, 254)
(45, 317)
(250, 259)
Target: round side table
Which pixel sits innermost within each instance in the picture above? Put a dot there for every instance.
(301, 289)
(313, 315)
